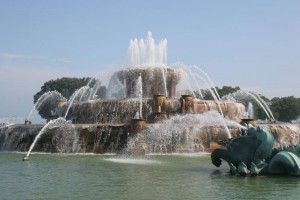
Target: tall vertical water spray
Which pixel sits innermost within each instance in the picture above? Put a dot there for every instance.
(147, 52)
(250, 110)
(139, 89)
(163, 69)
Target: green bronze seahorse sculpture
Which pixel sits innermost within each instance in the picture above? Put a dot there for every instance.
(254, 154)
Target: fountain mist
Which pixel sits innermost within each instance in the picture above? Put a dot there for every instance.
(183, 133)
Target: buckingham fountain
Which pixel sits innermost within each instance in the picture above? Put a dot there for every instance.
(151, 107)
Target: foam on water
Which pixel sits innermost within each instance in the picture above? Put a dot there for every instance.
(135, 161)
(198, 154)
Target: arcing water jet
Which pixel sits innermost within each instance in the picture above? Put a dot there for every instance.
(56, 122)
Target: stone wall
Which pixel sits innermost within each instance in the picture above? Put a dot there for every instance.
(93, 138)
(65, 138)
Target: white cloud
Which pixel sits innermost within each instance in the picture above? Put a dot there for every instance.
(64, 60)
(10, 56)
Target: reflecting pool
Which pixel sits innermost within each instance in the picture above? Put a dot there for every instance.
(176, 176)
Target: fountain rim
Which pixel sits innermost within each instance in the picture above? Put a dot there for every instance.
(155, 113)
(247, 120)
(147, 66)
(158, 95)
(137, 120)
(186, 95)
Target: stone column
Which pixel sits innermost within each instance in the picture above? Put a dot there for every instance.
(159, 107)
(172, 89)
(187, 104)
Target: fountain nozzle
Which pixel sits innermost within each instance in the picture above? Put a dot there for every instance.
(25, 158)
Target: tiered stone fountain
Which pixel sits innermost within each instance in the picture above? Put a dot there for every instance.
(144, 113)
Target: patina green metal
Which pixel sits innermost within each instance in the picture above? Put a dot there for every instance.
(254, 154)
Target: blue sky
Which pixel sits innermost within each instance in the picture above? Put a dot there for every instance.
(251, 44)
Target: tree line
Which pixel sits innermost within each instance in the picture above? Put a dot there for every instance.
(283, 108)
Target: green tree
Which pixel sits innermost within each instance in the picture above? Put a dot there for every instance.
(286, 108)
(66, 86)
(227, 90)
(221, 91)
